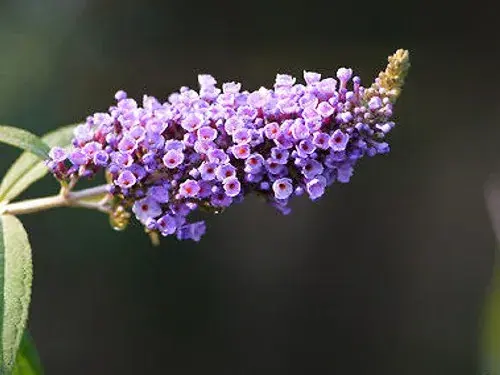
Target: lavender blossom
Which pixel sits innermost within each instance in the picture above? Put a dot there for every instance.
(210, 148)
(232, 186)
(173, 158)
(58, 154)
(282, 188)
(126, 180)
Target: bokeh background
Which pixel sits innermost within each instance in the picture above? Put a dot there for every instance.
(386, 275)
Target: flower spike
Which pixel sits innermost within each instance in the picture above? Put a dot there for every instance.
(211, 147)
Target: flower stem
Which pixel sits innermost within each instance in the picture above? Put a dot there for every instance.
(63, 199)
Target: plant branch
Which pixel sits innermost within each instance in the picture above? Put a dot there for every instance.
(64, 199)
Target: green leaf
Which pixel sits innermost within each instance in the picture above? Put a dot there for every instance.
(27, 360)
(16, 273)
(25, 140)
(490, 330)
(28, 168)
(490, 324)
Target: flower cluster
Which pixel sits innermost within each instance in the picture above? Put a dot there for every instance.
(209, 148)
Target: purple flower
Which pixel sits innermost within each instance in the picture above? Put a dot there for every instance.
(355, 154)
(154, 141)
(159, 193)
(279, 155)
(316, 187)
(338, 141)
(344, 117)
(127, 144)
(259, 99)
(375, 103)
(257, 137)
(189, 189)
(209, 94)
(326, 88)
(121, 159)
(232, 186)
(299, 129)
(226, 100)
(284, 80)
(206, 133)
(194, 173)
(173, 158)
(282, 188)
(189, 139)
(225, 171)
(321, 140)
(120, 95)
(254, 177)
(220, 199)
(281, 207)
(192, 231)
(83, 133)
(299, 190)
(308, 101)
(138, 170)
(246, 112)
(218, 156)
(58, 154)
(232, 124)
(78, 157)
(127, 104)
(312, 168)
(284, 142)
(344, 174)
(336, 157)
(101, 158)
(386, 127)
(166, 225)
(146, 208)
(254, 161)
(126, 180)
(364, 129)
(174, 144)
(382, 147)
(149, 157)
(207, 171)
(205, 189)
(325, 109)
(310, 114)
(203, 147)
(91, 148)
(231, 87)
(150, 224)
(241, 151)
(138, 133)
(273, 167)
(242, 135)
(387, 110)
(111, 139)
(155, 126)
(272, 130)
(100, 120)
(311, 77)
(205, 80)
(344, 74)
(305, 148)
(192, 122)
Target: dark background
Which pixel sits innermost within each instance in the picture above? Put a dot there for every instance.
(385, 275)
